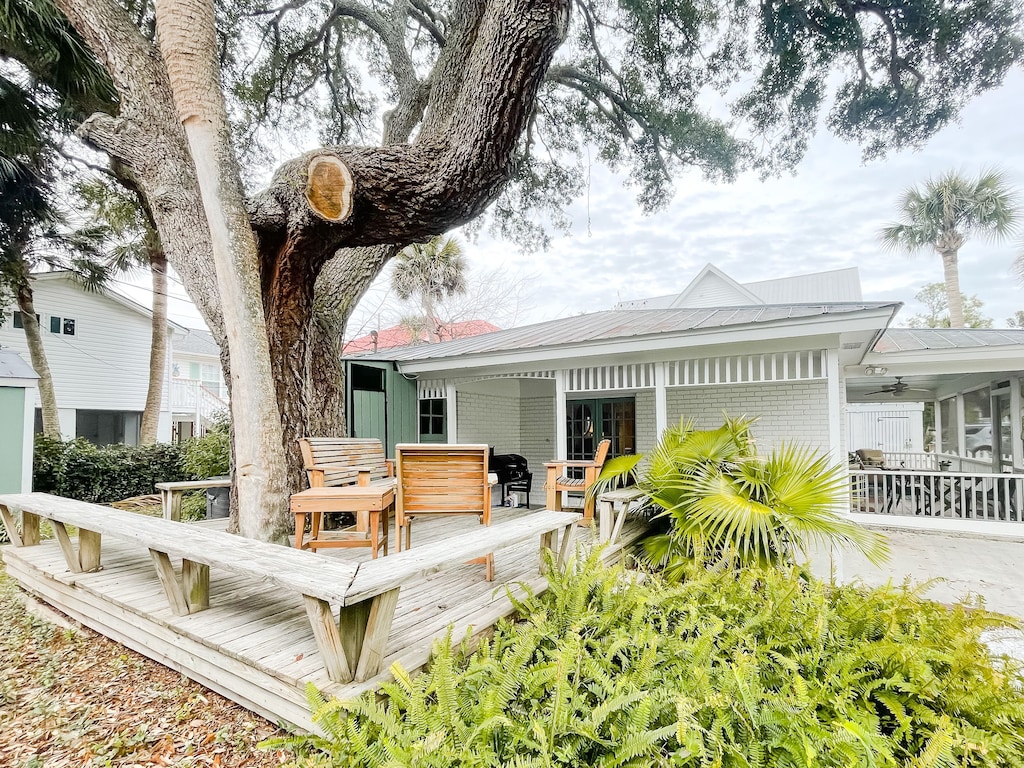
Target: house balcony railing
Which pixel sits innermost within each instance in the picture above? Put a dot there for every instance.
(190, 397)
(935, 493)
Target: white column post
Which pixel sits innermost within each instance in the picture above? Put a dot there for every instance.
(961, 443)
(27, 435)
(561, 435)
(453, 417)
(836, 401)
(660, 401)
(1015, 423)
(939, 447)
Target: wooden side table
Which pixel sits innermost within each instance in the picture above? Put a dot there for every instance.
(371, 504)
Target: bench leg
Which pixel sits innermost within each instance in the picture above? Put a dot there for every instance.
(353, 647)
(300, 528)
(28, 535)
(189, 595)
(563, 551)
(172, 510)
(86, 559)
(604, 523)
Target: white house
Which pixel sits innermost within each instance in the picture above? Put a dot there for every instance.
(554, 389)
(97, 345)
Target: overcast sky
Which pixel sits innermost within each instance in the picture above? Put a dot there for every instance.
(825, 217)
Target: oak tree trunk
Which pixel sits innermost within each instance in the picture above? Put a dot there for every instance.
(187, 33)
(157, 350)
(37, 354)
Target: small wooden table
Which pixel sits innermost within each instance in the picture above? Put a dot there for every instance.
(612, 507)
(371, 504)
(170, 493)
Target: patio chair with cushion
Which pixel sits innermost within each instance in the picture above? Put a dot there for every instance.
(560, 480)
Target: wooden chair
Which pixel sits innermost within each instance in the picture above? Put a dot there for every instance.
(436, 480)
(558, 481)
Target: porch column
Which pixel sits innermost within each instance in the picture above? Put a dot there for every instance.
(1015, 423)
(835, 405)
(937, 410)
(453, 415)
(660, 401)
(961, 440)
(560, 427)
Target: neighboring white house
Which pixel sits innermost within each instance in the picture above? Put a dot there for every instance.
(198, 391)
(97, 345)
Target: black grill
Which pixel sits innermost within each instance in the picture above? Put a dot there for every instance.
(513, 474)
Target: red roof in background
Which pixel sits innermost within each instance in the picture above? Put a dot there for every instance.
(399, 336)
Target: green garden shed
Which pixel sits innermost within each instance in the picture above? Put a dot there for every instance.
(17, 419)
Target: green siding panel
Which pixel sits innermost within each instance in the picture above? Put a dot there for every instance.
(369, 417)
(403, 411)
(12, 445)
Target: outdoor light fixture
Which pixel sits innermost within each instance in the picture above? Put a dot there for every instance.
(874, 370)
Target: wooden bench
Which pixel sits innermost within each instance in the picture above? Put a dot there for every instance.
(170, 493)
(346, 474)
(351, 643)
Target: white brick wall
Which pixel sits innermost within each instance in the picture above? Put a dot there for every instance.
(788, 411)
(646, 421)
(537, 439)
(490, 419)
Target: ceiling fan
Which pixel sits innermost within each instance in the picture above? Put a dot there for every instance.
(896, 389)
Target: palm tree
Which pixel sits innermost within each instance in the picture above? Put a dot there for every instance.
(943, 213)
(721, 499)
(126, 219)
(430, 272)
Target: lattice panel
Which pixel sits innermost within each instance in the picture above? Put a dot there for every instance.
(748, 369)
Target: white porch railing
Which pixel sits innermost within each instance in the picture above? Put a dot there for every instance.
(965, 495)
(948, 462)
(189, 396)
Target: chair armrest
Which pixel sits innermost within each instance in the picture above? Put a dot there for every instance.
(575, 464)
(390, 464)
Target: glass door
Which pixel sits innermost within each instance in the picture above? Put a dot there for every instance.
(588, 422)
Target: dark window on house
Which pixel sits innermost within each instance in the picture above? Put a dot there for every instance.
(108, 427)
(54, 325)
(69, 326)
(367, 378)
(432, 416)
(19, 321)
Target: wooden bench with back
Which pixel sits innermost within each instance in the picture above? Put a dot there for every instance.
(346, 474)
(351, 642)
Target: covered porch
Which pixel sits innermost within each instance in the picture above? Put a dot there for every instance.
(968, 461)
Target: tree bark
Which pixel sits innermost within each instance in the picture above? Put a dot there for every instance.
(37, 354)
(954, 298)
(157, 350)
(187, 33)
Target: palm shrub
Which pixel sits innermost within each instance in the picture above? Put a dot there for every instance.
(730, 667)
(720, 498)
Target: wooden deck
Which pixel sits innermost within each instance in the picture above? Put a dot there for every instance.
(235, 647)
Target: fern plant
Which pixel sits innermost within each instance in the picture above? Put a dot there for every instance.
(729, 667)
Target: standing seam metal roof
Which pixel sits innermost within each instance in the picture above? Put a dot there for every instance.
(912, 339)
(621, 324)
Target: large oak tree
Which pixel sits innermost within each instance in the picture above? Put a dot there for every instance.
(484, 103)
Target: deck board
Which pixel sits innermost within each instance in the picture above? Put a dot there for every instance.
(254, 643)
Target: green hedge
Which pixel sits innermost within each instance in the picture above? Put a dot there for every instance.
(79, 470)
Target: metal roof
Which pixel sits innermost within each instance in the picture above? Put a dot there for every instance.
(913, 339)
(622, 324)
(12, 366)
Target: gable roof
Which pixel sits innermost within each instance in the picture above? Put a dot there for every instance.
(196, 342)
(401, 336)
(103, 291)
(13, 366)
(713, 288)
